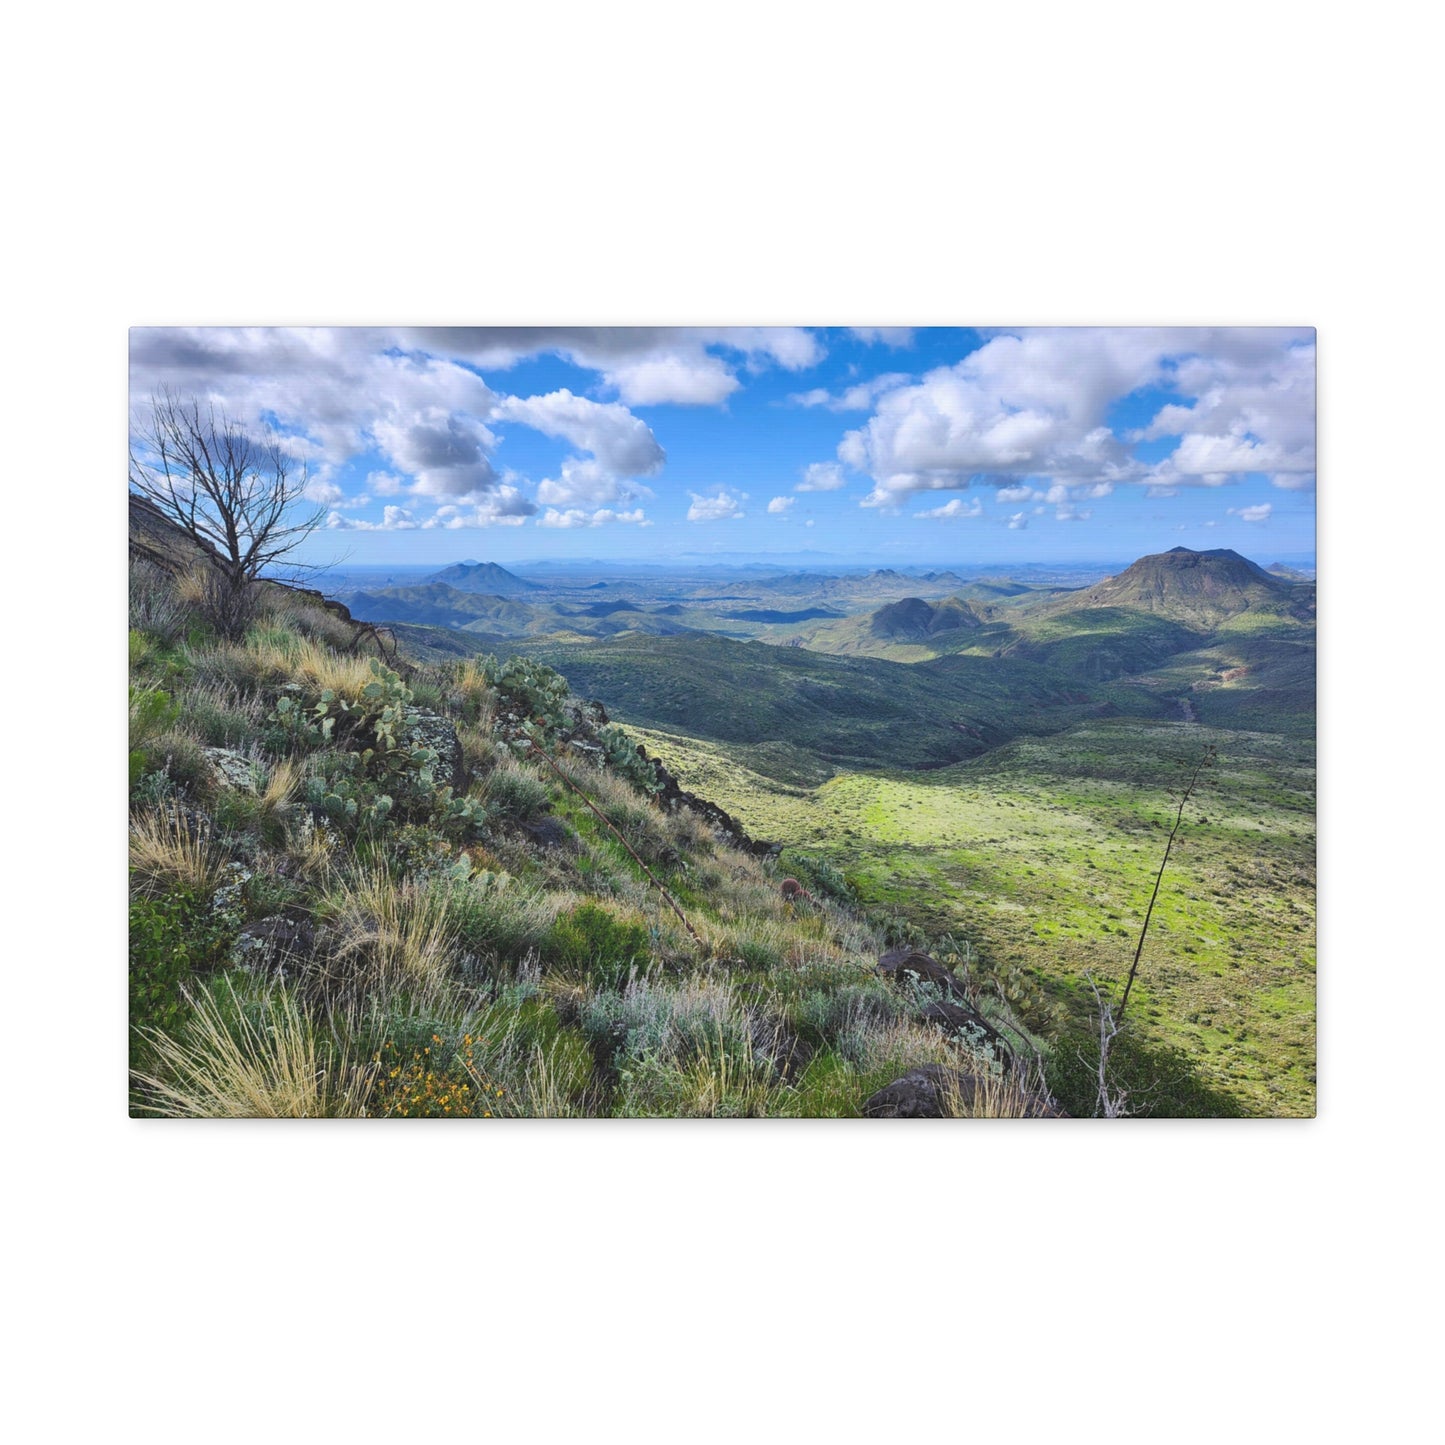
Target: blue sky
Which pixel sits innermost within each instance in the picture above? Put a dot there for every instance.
(930, 445)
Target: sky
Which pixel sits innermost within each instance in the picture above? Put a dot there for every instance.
(883, 445)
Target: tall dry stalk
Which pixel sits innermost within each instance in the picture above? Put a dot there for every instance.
(1111, 1101)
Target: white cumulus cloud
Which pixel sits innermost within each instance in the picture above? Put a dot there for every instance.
(954, 507)
(393, 519)
(858, 397)
(821, 477)
(645, 365)
(578, 517)
(721, 506)
(620, 442)
(1033, 409)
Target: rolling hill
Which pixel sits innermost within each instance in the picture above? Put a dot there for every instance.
(845, 712)
(439, 604)
(913, 619)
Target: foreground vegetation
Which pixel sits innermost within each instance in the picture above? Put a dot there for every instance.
(361, 893)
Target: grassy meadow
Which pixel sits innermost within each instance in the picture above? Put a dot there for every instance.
(1042, 855)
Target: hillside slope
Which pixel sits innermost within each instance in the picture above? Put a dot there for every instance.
(362, 885)
(846, 712)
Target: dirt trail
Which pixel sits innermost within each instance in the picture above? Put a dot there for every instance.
(1187, 708)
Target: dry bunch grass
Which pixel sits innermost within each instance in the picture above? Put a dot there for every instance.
(994, 1095)
(169, 849)
(276, 655)
(231, 1063)
(389, 936)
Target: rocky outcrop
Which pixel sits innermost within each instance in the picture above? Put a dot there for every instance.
(233, 769)
(673, 796)
(433, 731)
(269, 944)
(934, 1092)
(921, 1093)
(954, 1012)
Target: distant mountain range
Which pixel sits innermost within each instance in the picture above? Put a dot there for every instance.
(1202, 615)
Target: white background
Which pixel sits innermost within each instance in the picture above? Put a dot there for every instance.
(781, 163)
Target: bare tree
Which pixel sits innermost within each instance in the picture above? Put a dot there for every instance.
(238, 497)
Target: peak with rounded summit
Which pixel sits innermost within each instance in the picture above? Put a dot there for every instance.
(1200, 589)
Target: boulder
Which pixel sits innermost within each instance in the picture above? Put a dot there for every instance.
(969, 1027)
(774, 1041)
(919, 1094)
(433, 731)
(268, 944)
(955, 1011)
(910, 965)
(233, 769)
(549, 833)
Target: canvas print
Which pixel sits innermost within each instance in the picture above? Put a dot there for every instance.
(741, 722)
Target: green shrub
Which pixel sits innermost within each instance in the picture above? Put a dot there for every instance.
(172, 937)
(428, 694)
(828, 1016)
(224, 721)
(514, 793)
(497, 919)
(817, 875)
(155, 610)
(152, 712)
(592, 940)
(644, 828)
(179, 756)
(269, 893)
(274, 634)
(236, 811)
(760, 943)
(830, 1088)
(648, 1019)
(535, 1027)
